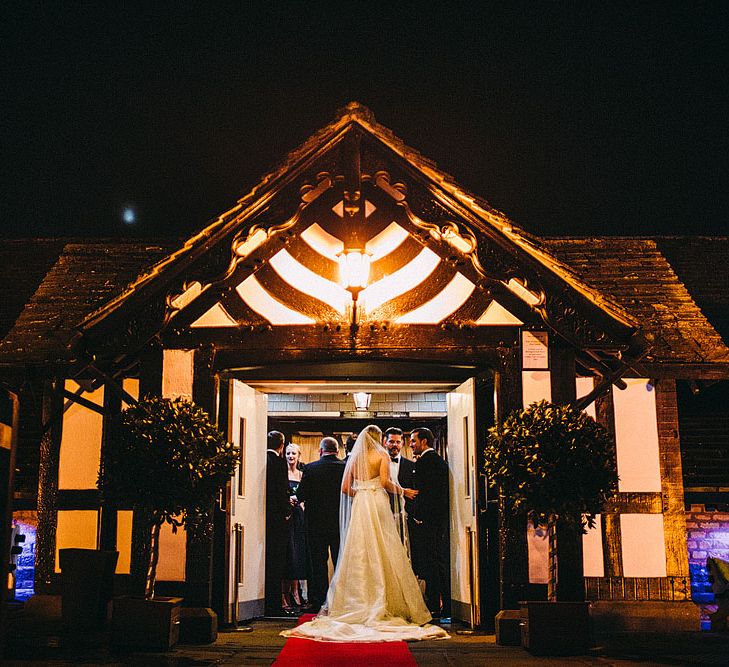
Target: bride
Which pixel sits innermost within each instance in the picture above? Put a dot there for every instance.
(373, 595)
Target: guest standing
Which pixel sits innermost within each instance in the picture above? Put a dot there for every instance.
(295, 573)
(430, 518)
(278, 511)
(320, 491)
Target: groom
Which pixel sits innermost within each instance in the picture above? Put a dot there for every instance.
(430, 518)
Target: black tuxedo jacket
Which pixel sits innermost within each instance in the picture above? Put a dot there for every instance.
(320, 489)
(406, 479)
(431, 480)
(277, 490)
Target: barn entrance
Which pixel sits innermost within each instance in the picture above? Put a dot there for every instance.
(306, 410)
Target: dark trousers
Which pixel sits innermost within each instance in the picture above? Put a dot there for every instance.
(276, 539)
(320, 545)
(434, 567)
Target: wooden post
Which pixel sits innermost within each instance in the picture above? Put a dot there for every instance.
(569, 569)
(674, 515)
(514, 555)
(612, 547)
(150, 384)
(199, 562)
(49, 454)
(108, 519)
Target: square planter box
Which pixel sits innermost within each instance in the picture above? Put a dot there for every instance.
(556, 628)
(152, 625)
(87, 584)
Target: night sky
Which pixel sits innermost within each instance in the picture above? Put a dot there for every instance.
(582, 119)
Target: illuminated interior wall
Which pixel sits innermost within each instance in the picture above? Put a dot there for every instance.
(644, 551)
(177, 373)
(636, 437)
(538, 549)
(124, 540)
(78, 465)
(592, 557)
(76, 530)
(172, 554)
(535, 386)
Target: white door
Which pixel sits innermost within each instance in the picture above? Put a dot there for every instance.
(463, 496)
(247, 563)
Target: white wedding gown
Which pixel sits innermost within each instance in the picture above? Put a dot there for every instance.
(374, 595)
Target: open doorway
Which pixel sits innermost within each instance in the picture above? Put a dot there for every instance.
(305, 414)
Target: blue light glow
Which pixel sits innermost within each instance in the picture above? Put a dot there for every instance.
(129, 216)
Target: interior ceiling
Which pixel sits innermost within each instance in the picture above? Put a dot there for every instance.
(335, 387)
(374, 377)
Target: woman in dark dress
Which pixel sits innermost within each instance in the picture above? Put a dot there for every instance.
(295, 574)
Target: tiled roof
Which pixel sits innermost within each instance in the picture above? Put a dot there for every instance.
(702, 264)
(638, 275)
(635, 272)
(84, 276)
(23, 264)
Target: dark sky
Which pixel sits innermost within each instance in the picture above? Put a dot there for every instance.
(583, 118)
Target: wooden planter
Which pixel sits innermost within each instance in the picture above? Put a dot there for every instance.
(556, 628)
(87, 586)
(148, 625)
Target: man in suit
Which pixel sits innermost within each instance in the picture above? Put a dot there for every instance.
(278, 510)
(430, 516)
(320, 490)
(402, 471)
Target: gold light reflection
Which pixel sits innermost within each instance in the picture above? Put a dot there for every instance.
(400, 281)
(308, 282)
(253, 241)
(216, 316)
(189, 295)
(523, 293)
(446, 302)
(253, 293)
(496, 314)
(322, 241)
(386, 241)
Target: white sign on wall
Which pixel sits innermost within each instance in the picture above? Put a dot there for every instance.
(535, 350)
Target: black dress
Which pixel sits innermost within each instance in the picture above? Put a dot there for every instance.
(296, 556)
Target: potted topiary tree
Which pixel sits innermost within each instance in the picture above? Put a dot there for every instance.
(556, 464)
(167, 460)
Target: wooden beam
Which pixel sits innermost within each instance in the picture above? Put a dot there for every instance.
(75, 397)
(437, 343)
(612, 544)
(674, 515)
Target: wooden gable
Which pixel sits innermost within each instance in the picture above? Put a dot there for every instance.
(447, 271)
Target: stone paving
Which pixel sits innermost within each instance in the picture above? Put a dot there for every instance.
(37, 638)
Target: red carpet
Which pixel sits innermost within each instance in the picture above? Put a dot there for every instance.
(308, 653)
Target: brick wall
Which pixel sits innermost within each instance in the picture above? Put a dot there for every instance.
(335, 403)
(707, 532)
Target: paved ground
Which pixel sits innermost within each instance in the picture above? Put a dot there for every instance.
(36, 638)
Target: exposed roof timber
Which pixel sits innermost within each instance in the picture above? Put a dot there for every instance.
(375, 371)
(443, 188)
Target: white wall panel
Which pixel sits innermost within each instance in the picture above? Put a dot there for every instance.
(636, 437)
(592, 557)
(535, 386)
(177, 373)
(643, 540)
(78, 464)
